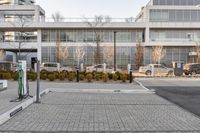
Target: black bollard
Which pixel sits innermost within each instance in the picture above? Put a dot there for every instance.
(130, 77)
(77, 75)
(38, 83)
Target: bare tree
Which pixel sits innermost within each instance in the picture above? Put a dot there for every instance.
(57, 17)
(158, 53)
(108, 53)
(80, 52)
(198, 51)
(2, 54)
(139, 54)
(21, 22)
(63, 53)
(98, 22)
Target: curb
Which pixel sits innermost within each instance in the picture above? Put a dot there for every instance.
(60, 90)
(12, 112)
(139, 83)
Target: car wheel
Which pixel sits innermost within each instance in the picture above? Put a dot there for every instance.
(148, 73)
(170, 73)
(186, 73)
(193, 73)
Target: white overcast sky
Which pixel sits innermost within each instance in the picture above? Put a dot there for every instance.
(90, 8)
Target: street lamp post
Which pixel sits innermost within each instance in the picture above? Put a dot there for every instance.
(115, 51)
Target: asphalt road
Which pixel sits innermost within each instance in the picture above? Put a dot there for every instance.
(185, 93)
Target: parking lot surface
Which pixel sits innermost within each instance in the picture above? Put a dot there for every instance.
(103, 112)
(184, 92)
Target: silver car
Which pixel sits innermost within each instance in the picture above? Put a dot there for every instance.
(158, 69)
(100, 68)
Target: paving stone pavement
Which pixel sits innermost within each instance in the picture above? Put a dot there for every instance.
(101, 112)
(11, 92)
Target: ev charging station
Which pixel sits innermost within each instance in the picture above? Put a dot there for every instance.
(22, 79)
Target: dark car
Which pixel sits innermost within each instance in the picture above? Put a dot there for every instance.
(192, 69)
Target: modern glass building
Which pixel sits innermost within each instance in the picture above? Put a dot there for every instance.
(173, 24)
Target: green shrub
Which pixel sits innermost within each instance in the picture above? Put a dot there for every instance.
(105, 77)
(71, 76)
(33, 76)
(43, 76)
(15, 76)
(81, 76)
(123, 77)
(7, 76)
(114, 77)
(56, 73)
(89, 77)
(110, 75)
(98, 77)
(62, 76)
(51, 77)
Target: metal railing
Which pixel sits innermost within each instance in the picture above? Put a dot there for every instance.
(122, 20)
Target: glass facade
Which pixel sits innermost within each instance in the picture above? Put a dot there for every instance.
(89, 36)
(125, 55)
(12, 36)
(176, 2)
(174, 35)
(172, 54)
(158, 15)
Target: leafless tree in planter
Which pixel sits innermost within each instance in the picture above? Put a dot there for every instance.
(158, 53)
(80, 52)
(98, 22)
(21, 22)
(57, 17)
(63, 53)
(2, 54)
(108, 53)
(198, 51)
(139, 54)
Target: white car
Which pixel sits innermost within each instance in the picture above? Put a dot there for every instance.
(50, 66)
(100, 68)
(158, 69)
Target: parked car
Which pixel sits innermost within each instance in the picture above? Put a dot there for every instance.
(158, 69)
(50, 66)
(100, 68)
(191, 69)
(8, 66)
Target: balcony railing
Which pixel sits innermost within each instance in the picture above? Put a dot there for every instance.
(122, 20)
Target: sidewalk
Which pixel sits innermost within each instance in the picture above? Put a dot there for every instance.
(11, 92)
(101, 112)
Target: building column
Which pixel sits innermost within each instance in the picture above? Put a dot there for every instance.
(37, 15)
(39, 51)
(42, 18)
(147, 35)
(14, 55)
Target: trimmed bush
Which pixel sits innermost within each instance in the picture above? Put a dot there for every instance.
(33, 76)
(71, 76)
(105, 77)
(56, 73)
(98, 77)
(115, 77)
(62, 76)
(15, 76)
(51, 77)
(7, 76)
(89, 77)
(81, 76)
(123, 77)
(43, 76)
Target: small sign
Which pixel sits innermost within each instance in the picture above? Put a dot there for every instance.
(15, 111)
(178, 65)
